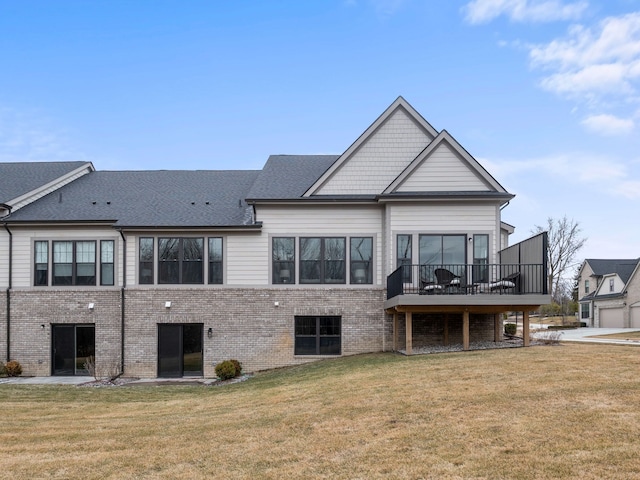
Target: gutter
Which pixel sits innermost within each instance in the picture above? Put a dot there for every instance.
(122, 299)
(9, 291)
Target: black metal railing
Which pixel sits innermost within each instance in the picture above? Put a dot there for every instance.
(468, 279)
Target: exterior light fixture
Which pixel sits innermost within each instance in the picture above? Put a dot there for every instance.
(210, 332)
(91, 306)
(167, 304)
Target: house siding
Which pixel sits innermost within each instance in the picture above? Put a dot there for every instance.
(443, 171)
(380, 159)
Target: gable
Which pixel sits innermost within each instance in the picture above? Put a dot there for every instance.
(443, 170)
(381, 153)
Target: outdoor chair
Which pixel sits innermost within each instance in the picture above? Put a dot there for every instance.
(506, 283)
(446, 278)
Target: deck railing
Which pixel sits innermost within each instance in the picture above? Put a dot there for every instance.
(474, 279)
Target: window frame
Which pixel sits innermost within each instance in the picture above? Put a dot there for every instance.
(36, 263)
(104, 263)
(184, 265)
(333, 348)
(74, 253)
(278, 275)
(148, 263)
(404, 260)
(322, 262)
(355, 277)
(219, 280)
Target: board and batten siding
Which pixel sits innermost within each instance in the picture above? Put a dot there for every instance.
(443, 171)
(343, 221)
(23, 261)
(382, 157)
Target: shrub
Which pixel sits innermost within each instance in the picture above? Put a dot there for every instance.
(226, 370)
(238, 366)
(13, 368)
(2, 372)
(510, 328)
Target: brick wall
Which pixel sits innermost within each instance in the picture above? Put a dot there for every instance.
(34, 312)
(3, 325)
(428, 329)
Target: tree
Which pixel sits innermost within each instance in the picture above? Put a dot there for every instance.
(564, 243)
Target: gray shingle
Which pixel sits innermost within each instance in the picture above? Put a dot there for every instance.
(623, 267)
(173, 198)
(289, 176)
(19, 178)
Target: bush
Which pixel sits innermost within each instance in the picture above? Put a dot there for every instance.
(13, 368)
(2, 371)
(510, 328)
(238, 366)
(226, 370)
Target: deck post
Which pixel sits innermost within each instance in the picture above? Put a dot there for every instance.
(525, 329)
(409, 332)
(497, 331)
(465, 330)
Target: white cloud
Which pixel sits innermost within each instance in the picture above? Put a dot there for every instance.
(609, 125)
(483, 11)
(593, 62)
(629, 190)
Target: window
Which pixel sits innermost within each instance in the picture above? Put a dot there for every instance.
(586, 286)
(612, 285)
(41, 255)
(584, 310)
(322, 260)
(448, 251)
(361, 259)
(180, 260)
(145, 272)
(317, 336)
(283, 258)
(480, 258)
(403, 256)
(74, 263)
(106, 262)
(215, 260)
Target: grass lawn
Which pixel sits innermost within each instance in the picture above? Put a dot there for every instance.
(545, 412)
(622, 336)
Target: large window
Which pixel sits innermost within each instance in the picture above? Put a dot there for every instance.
(403, 256)
(361, 257)
(322, 260)
(215, 260)
(180, 260)
(41, 255)
(586, 286)
(106, 262)
(145, 273)
(283, 260)
(317, 335)
(447, 251)
(74, 263)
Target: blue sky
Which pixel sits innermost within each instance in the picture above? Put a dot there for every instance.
(544, 93)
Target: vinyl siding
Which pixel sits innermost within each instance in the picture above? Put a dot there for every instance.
(381, 158)
(442, 171)
(23, 249)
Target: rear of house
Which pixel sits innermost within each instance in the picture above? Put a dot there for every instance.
(168, 273)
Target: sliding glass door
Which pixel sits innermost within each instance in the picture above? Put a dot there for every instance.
(180, 350)
(72, 345)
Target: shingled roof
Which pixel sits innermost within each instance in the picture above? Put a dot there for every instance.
(20, 178)
(622, 267)
(166, 198)
(289, 176)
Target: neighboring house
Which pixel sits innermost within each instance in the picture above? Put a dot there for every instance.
(609, 293)
(166, 273)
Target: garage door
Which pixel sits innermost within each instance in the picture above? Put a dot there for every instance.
(611, 318)
(635, 317)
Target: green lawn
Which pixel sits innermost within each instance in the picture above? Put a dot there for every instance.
(545, 412)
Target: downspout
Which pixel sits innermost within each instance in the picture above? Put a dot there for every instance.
(9, 292)
(122, 300)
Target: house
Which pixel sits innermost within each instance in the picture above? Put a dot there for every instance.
(609, 293)
(396, 243)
